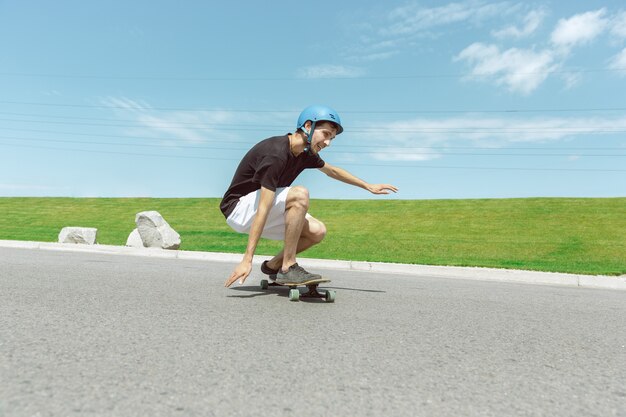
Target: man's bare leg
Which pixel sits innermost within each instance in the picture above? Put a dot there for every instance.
(277, 261)
(312, 233)
(295, 212)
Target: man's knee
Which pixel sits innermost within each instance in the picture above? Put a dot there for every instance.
(316, 230)
(298, 197)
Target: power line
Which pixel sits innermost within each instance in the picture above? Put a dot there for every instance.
(130, 120)
(302, 78)
(100, 135)
(377, 151)
(256, 126)
(261, 128)
(335, 145)
(297, 111)
(343, 164)
(122, 153)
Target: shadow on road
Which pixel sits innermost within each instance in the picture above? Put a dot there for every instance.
(256, 291)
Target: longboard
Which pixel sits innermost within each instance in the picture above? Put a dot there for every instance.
(294, 292)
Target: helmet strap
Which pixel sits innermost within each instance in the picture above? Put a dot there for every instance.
(309, 137)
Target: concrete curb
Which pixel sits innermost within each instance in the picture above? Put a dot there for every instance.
(476, 274)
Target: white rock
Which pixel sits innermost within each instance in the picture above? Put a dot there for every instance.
(155, 232)
(134, 239)
(80, 235)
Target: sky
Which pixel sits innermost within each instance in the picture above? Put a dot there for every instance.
(445, 100)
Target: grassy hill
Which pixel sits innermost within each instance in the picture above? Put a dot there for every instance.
(548, 234)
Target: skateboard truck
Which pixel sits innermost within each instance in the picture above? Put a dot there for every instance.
(294, 292)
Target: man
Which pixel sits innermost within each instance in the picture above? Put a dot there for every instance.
(261, 203)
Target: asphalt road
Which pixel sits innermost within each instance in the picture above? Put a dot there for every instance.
(110, 335)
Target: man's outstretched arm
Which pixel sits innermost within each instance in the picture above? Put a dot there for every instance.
(341, 174)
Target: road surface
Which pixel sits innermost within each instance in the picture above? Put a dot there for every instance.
(109, 335)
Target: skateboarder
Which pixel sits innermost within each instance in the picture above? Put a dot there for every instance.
(261, 202)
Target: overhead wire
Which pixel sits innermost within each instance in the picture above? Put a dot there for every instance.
(292, 111)
(395, 165)
(389, 130)
(444, 151)
(365, 77)
(335, 145)
(418, 150)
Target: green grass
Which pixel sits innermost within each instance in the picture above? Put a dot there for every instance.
(586, 236)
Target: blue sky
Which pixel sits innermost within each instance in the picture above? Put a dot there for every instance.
(467, 99)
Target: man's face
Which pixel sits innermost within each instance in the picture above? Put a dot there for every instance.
(323, 135)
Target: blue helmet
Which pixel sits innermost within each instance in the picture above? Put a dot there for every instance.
(317, 113)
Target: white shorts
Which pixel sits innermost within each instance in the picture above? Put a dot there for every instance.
(245, 211)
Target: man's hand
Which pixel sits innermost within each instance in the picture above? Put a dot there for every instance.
(240, 273)
(381, 188)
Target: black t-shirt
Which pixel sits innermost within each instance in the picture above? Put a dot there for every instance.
(270, 164)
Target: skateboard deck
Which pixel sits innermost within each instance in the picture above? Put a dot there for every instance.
(294, 292)
(301, 284)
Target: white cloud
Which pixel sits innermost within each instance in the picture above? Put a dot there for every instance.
(532, 21)
(571, 79)
(520, 70)
(579, 29)
(402, 154)
(618, 62)
(192, 127)
(52, 93)
(372, 50)
(523, 70)
(175, 125)
(330, 71)
(125, 103)
(618, 26)
(423, 139)
(180, 126)
(414, 18)
(386, 34)
(376, 56)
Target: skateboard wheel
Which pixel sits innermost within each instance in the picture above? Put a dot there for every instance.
(330, 296)
(294, 294)
(264, 284)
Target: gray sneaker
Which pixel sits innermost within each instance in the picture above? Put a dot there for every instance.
(295, 275)
(269, 271)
